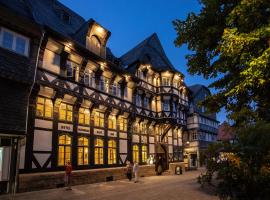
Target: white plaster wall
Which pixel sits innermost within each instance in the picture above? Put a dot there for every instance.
(135, 138)
(42, 140)
(123, 146)
(43, 123)
(51, 61)
(151, 148)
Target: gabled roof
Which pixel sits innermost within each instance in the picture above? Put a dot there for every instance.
(195, 89)
(150, 50)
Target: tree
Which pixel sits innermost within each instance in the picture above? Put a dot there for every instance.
(230, 40)
(242, 169)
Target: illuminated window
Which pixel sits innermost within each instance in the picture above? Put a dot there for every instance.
(112, 122)
(64, 149)
(99, 119)
(44, 107)
(166, 81)
(111, 152)
(135, 152)
(95, 45)
(84, 116)
(83, 147)
(144, 153)
(122, 124)
(99, 151)
(65, 112)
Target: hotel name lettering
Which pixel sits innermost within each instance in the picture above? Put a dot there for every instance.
(65, 127)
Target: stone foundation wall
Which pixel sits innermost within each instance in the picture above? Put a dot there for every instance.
(49, 180)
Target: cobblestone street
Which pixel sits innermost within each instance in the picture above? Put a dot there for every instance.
(169, 187)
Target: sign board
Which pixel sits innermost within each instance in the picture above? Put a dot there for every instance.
(83, 129)
(99, 132)
(65, 127)
(112, 134)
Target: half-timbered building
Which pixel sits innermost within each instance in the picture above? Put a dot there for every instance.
(88, 106)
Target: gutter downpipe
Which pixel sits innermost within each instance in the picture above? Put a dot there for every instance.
(27, 114)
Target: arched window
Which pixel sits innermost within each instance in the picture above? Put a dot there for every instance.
(111, 152)
(135, 150)
(83, 147)
(95, 44)
(65, 112)
(84, 116)
(111, 122)
(144, 153)
(64, 149)
(99, 151)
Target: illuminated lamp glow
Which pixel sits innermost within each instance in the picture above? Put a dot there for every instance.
(100, 30)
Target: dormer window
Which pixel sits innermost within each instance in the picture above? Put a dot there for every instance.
(95, 45)
(66, 17)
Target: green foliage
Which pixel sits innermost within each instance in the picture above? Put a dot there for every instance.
(242, 169)
(230, 42)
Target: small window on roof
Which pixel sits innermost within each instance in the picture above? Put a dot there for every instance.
(66, 17)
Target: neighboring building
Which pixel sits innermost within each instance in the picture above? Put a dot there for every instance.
(202, 128)
(19, 41)
(226, 133)
(67, 97)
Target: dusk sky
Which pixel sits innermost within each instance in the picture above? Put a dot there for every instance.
(131, 21)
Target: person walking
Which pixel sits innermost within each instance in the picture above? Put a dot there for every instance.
(136, 171)
(129, 170)
(68, 173)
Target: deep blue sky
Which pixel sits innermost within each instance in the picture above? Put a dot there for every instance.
(131, 21)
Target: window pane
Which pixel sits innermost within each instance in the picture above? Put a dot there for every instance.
(61, 156)
(20, 45)
(39, 110)
(7, 40)
(67, 154)
(80, 156)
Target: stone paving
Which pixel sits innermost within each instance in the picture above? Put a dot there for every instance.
(166, 187)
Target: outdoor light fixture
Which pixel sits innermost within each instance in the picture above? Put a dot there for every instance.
(100, 30)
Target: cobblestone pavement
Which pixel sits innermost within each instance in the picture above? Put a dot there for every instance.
(169, 187)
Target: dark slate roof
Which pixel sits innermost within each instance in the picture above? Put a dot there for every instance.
(149, 50)
(48, 13)
(18, 6)
(196, 88)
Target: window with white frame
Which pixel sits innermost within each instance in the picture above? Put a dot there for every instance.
(14, 41)
(166, 81)
(166, 105)
(146, 102)
(72, 69)
(89, 78)
(138, 100)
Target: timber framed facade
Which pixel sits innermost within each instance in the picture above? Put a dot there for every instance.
(94, 109)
